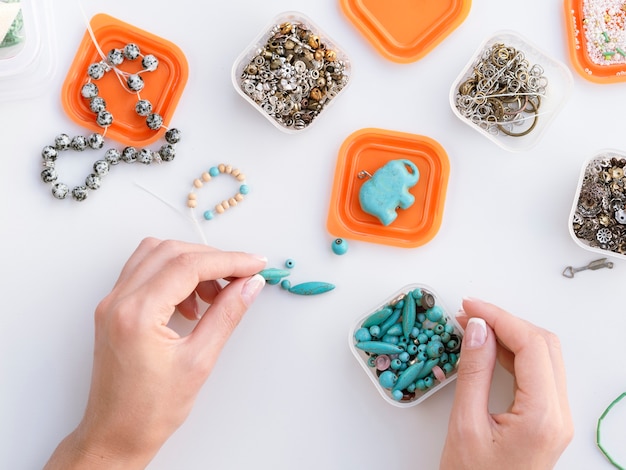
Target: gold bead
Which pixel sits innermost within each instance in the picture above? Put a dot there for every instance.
(316, 94)
(330, 56)
(314, 42)
(197, 183)
(286, 27)
(319, 55)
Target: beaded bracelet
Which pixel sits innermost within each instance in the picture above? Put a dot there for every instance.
(133, 83)
(220, 208)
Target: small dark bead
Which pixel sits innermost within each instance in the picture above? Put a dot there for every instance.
(129, 154)
(172, 136)
(428, 300)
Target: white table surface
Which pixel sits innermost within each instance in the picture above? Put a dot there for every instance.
(287, 392)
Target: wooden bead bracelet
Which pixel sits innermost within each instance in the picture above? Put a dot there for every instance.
(205, 177)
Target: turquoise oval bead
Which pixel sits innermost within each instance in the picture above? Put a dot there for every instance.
(428, 367)
(378, 347)
(445, 337)
(362, 334)
(444, 358)
(395, 330)
(340, 246)
(387, 379)
(391, 339)
(410, 374)
(408, 316)
(273, 275)
(378, 317)
(389, 322)
(311, 288)
(434, 313)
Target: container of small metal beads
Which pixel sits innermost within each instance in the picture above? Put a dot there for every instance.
(510, 91)
(408, 345)
(26, 48)
(291, 72)
(598, 217)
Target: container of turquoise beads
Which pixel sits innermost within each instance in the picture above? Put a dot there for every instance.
(408, 345)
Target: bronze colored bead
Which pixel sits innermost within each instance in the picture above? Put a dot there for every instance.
(286, 27)
(289, 44)
(316, 94)
(314, 41)
(252, 69)
(330, 55)
(321, 82)
(428, 300)
(319, 55)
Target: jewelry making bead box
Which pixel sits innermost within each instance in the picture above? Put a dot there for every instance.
(408, 345)
(596, 39)
(597, 220)
(26, 48)
(291, 72)
(510, 91)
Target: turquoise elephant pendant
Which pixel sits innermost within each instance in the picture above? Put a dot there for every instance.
(388, 189)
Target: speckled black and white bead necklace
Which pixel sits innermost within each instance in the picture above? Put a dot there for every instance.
(131, 82)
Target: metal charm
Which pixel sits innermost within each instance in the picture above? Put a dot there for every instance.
(593, 266)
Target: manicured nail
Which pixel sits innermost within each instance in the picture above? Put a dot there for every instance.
(260, 257)
(475, 333)
(251, 288)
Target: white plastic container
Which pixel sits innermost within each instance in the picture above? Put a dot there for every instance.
(597, 220)
(483, 109)
(281, 70)
(371, 362)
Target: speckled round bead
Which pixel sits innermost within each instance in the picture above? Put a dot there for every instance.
(172, 136)
(49, 153)
(154, 121)
(60, 190)
(93, 182)
(340, 246)
(49, 175)
(131, 51)
(96, 71)
(143, 107)
(101, 168)
(104, 118)
(62, 142)
(79, 143)
(150, 62)
(167, 152)
(387, 379)
(97, 104)
(145, 156)
(89, 90)
(80, 193)
(135, 82)
(95, 141)
(129, 154)
(115, 57)
(112, 156)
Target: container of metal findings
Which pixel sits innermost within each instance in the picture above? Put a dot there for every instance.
(598, 217)
(26, 47)
(510, 91)
(408, 345)
(291, 72)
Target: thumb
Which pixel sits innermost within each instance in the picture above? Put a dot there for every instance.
(476, 364)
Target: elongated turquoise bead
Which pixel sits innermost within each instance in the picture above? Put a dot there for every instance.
(378, 317)
(408, 316)
(378, 347)
(395, 330)
(428, 367)
(311, 288)
(392, 320)
(273, 275)
(409, 375)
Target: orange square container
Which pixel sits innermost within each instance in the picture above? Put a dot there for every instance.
(405, 30)
(369, 149)
(163, 86)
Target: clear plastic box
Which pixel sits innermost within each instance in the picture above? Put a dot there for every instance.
(510, 91)
(291, 72)
(26, 60)
(407, 353)
(597, 220)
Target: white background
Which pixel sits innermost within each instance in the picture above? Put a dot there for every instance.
(287, 392)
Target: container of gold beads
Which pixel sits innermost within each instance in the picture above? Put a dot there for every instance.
(598, 217)
(510, 91)
(408, 345)
(291, 72)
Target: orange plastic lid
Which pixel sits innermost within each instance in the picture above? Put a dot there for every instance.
(405, 30)
(163, 86)
(370, 149)
(587, 56)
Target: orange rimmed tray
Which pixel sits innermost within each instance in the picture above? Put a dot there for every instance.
(370, 149)
(405, 30)
(578, 48)
(163, 87)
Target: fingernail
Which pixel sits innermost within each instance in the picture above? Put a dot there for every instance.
(475, 333)
(260, 258)
(251, 288)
